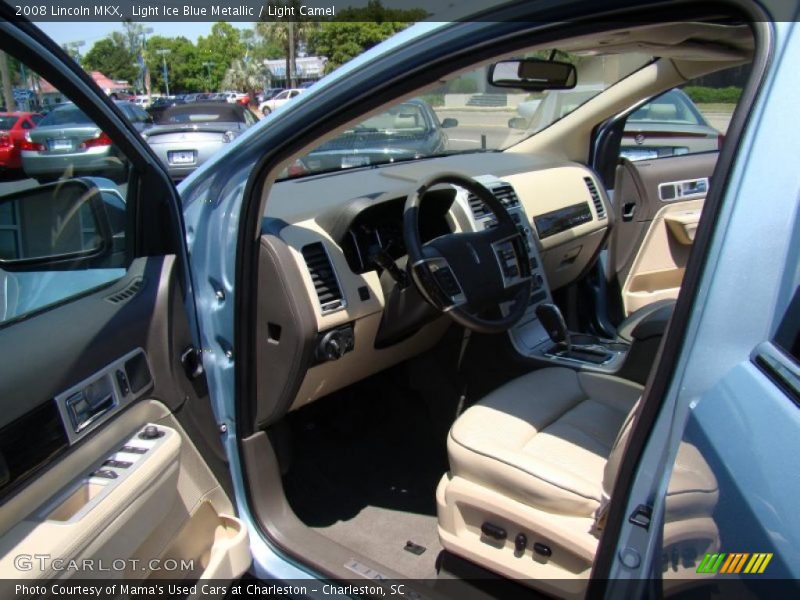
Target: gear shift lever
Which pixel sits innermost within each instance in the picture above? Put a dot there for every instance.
(553, 321)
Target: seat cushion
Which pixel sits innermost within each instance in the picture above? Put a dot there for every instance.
(544, 438)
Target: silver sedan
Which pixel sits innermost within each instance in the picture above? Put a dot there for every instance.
(187, 135)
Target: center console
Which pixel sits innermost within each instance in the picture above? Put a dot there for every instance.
(535, 336)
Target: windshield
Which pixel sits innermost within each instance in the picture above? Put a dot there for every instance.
(466, 114)
(66, 115)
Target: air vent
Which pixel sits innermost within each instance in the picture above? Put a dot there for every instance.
(324, 277)
(599, 207)
(126, 294)
(503, 192)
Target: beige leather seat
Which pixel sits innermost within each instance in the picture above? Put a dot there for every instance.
(539, 457)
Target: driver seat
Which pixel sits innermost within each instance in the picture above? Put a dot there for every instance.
(532, 467)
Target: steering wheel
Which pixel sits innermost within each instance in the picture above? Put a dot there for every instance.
(466, 274)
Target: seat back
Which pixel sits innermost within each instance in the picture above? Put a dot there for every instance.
(611, 469)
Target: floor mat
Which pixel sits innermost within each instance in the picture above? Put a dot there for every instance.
(364, 470)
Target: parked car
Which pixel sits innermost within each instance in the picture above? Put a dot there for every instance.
(278, 100)
(669, 125)
(409, 130)
(186, 135)
(13, 127)
(67, 143)
(162, 104)
(269, 93)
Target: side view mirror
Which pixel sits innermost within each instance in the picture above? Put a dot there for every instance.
(449, 122)
(533, 74)
(518, 123)
(63, 225)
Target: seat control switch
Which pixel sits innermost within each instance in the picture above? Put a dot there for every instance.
(493, 531)
(542, 549)
(520, 543)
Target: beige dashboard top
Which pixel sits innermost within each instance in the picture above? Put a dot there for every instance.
(542, 185)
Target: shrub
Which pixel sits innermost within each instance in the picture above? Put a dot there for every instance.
(463, 85)
(709, 95)
(433, 99)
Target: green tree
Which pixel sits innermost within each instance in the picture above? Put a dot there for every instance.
(288, 36)
(217, 51)
(184, 67)
(356, 30)
(112, 57)
(343, 41)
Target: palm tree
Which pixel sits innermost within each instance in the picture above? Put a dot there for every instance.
(246, 75)
(287, 35)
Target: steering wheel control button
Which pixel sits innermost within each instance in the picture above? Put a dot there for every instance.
(151, 432)
(133, 449)
(447, 281)
(105, 474)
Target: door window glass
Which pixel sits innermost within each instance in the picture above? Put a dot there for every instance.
(63, 202)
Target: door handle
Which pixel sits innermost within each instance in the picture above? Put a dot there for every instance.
(628, 210)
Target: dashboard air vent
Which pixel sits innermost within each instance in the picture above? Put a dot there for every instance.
(503, 192)
(323, 276)
(127, 293)
(599, 207)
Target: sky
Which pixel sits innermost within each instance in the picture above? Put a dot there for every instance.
(63, 33)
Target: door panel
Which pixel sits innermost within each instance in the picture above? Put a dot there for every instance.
(657, 205)
(168, 503)
(109, 449)
(140, 515)
(657, 269)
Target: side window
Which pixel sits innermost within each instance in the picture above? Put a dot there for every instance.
(63, 204)
(687, 120)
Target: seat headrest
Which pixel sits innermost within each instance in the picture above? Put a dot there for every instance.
(663, 112)
(405, 121)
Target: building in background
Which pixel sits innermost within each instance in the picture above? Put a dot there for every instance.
(50, 95)
(308, 68)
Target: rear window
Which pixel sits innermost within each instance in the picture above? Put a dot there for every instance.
(66, 115)
(7, 122)
(199, 114)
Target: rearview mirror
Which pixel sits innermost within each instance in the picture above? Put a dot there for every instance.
(61, 225)
(533, 74)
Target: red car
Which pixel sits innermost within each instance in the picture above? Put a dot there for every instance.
(13, 127)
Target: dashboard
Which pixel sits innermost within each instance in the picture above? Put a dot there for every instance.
(334, 245)
(377, 231)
